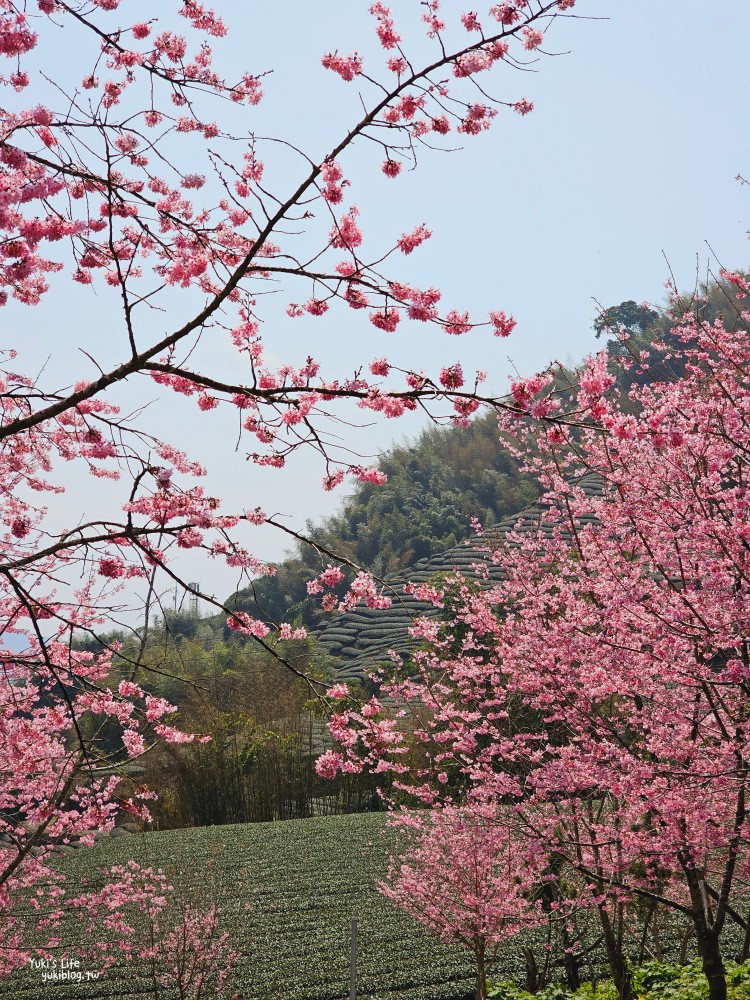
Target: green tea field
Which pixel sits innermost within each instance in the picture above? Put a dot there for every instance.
(288, 892)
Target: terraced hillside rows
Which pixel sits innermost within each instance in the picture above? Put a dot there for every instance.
(362, 638)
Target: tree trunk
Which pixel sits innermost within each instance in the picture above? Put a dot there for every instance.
(621, 974)
(707, 929)
(646, 924)
(532, 970)
(745, 952)
(481, 990)
(684, 942)
(571, 960)
(656, 937)
(713, 965)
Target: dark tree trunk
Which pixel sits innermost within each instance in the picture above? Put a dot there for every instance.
(713, 965)
(745, 952)
(618, 965)
(708, 926)
(646, 925)
(532, 970)
(656, 937)
(571, 960)
(684, 942)
(572, 966)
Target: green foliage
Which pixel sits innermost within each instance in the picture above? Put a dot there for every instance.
(605, 990)
(555, 991)
(506, 990)
(661, 981)
(434, 488)
(708, 302)
(652, 981)
(628, 315)
(266, 726)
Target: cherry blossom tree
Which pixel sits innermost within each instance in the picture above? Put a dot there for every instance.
(469, 878)
(178, 942)
(132, 178)
(600, 689)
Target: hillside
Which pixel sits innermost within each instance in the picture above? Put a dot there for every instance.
(361, 638)
(435, 486)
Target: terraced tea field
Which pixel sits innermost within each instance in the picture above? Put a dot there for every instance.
(288, 892)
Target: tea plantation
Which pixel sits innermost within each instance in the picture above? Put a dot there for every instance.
(288, 892)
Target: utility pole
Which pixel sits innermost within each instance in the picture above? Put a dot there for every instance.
(353, 963)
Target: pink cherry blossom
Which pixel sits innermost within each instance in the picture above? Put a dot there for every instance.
(532, 38)
(347, 67)
(410, 241)
(338, 691)
(386, 30)
(503, 325)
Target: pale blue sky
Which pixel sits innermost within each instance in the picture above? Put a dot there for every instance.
(625, 169)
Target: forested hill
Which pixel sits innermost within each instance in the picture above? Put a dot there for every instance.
(434, 488)
(362, 638)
